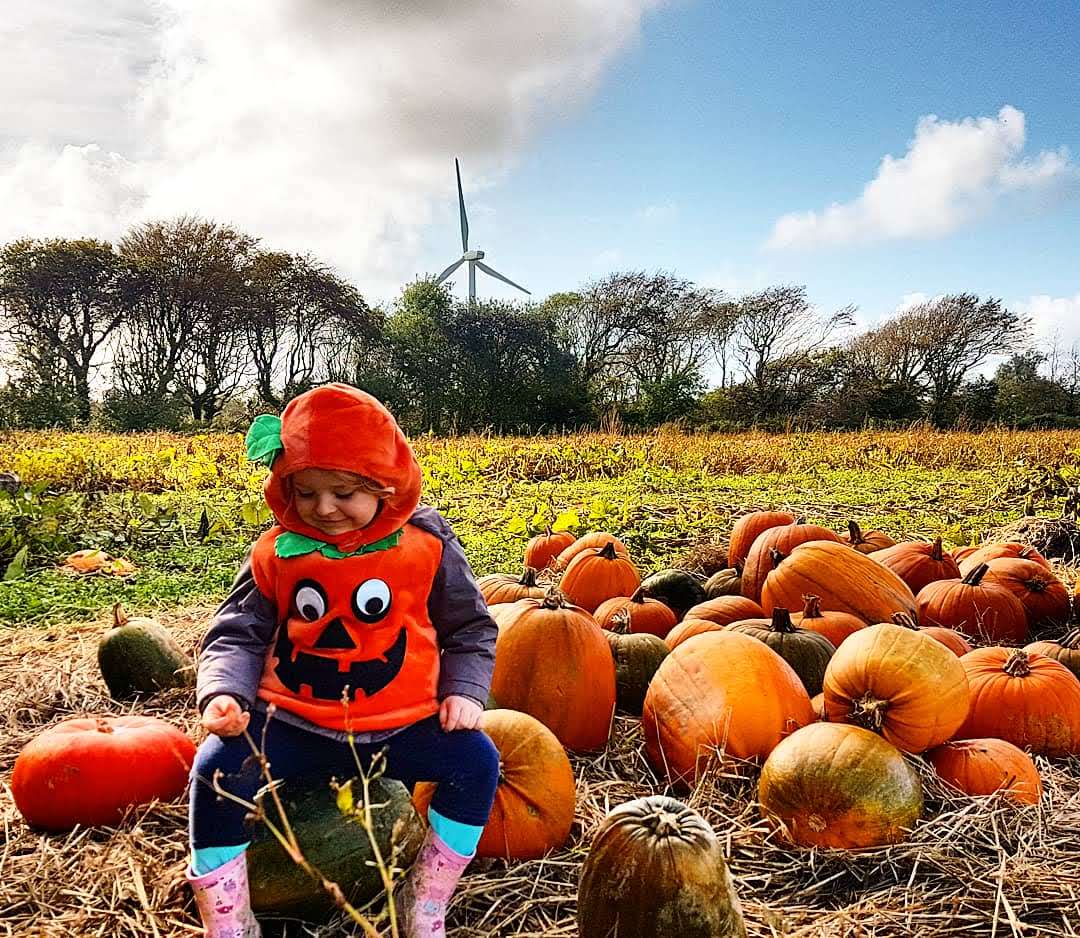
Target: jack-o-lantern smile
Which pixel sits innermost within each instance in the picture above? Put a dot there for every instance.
(321, 650)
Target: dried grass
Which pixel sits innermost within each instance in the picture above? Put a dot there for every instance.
(975, 867)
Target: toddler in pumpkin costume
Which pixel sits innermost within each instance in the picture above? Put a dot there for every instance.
(358, 595)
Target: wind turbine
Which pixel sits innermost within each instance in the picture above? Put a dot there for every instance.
(474, 258)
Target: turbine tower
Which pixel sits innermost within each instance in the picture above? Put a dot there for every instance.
(473, 258)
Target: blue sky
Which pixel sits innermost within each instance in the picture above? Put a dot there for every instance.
(877, 153)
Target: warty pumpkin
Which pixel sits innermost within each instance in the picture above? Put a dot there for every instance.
(746, 531)
(772, 547)
(636, 613)
(985, 766)
(986, 611)
(835, 626)
(866, 542)
(596, 574)
(806, 651)
(918, 563)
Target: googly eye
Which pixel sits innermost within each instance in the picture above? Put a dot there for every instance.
(371, 600)
(309, 600)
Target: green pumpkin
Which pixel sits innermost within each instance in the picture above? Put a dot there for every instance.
(676, 589)
(807, 652)
(637, 656)
(139, 656)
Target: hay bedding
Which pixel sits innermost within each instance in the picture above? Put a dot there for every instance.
(976, 867)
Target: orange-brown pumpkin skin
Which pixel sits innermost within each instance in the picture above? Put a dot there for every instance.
(543, 549)
(723, 610)
(985, 766)
(988, 552)
(1066, 650)
(846, 581)
(1044, 597)
(1024, 698)
(498, 588)
(635, 614)
(834, 785)
(806, 651)
(720, 689)
(534, 803)
(900, 683)
(552, 661)
(918, 563)
(770, 547)
(592, 539)
(598, 574)
(986, 611)
(867, 542)
(835, 626)
(655, 868)
(87, 771)
(746, 531)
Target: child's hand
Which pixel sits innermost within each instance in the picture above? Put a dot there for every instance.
(460, 713)
(224, 717)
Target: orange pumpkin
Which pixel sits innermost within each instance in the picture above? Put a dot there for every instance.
(1066, 650)
(985, 766)
(1023, 697)
(592, 539)
(954, 641)
(900, 683)
(746, 530)
(806, 651)
(720, 691)
(771, 548)
(637, 613)
(835, 626)
(867, 542)
(688, 628)
(598, 574)
(988, 552)
(818, 703)
(543, 549)
(918, 563)
(986, 611)
(552, 661)
(726, 609)
(505, 588)
(534, 803)
(1044, 597)
(960, 554)
(846, 581)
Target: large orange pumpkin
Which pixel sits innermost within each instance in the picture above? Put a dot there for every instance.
(499, 588)
(807, 652)
(954, 641)
(596, 574)
(543, 549)
(831, 785)
(87, 771)
(918, 563)
(986, 611)
(985, 766)
(720, 691)
(688, 628)
(1066, 650)
(867, 542)
(1044, 597)
(846, 581)
(552, 661)
(635, 614)
(592, 539)
(897, 682)
(771, 548)
(746, 530)
(534, 803)
(835, 626)
(726, 609)
(988, 552)
(1023, 697)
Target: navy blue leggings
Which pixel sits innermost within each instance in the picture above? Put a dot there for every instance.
(464, 763)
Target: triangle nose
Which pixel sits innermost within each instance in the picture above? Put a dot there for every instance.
(336, 636)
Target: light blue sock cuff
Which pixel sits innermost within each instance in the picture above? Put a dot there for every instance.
(461, 838)
(207, 859)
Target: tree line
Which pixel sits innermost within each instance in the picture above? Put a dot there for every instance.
(188, 322)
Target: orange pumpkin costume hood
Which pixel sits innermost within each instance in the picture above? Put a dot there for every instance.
(342, 428)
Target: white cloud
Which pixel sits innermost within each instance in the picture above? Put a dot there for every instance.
(319, 125)
(1053, 319)
(659, 213)
(952, 174)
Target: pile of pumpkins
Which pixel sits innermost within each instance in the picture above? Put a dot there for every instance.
(835, 662)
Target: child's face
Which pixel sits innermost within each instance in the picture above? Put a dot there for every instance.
(332, 502)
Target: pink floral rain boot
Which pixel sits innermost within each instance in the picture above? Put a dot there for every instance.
(224, 902)
(421, 903)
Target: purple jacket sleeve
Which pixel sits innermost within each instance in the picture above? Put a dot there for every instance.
(465, 629)
(234, 648)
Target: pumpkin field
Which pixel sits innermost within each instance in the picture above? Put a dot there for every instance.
(853, 660)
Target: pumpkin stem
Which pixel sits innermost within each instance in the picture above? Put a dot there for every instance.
(553, 599)
(101, 726)
(800, 520)
(1017, 664)
(120, 618)
(528, 577)
(620, 622)
(906, 620)
(638, 596)
(1071, 640)
(812, 609)
(854, 532)
(664, 823)
(936, 552)
(608, 551)
(975, 575)
(869, 712)
(1037, 584)
(781, 621)
(776, 556)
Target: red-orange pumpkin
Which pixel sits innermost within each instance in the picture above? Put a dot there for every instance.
(534, 803)
(918, 563)
(720, 691)
(637, 613)
(985, 766)
(1023, 697)
(543, 549)
(598, 574)
(726, 609)
(506, 588)
(986, 611)
(807, 652)
(988, 552)
(552, 661)
(954, 641)
(1066, 650)
(900, 683)
(592, 539)
(747, 529)
(771, 548)
(1044, 597)
(867, 542)
(88, 771)
(835, 626)
(688, 628)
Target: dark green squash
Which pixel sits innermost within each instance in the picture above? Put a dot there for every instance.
(676, 589)
(138, 656)
(807, 652)
(637, 656)
(724, 583)
(655, 870)
(335, 844)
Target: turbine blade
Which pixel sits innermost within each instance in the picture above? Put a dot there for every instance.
(449, 270)
(461, 205)
(494, 273)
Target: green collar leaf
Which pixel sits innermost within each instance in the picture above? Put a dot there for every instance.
(263, 439)
(290, 544)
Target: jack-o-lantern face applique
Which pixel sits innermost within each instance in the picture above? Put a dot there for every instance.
(332, 643)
